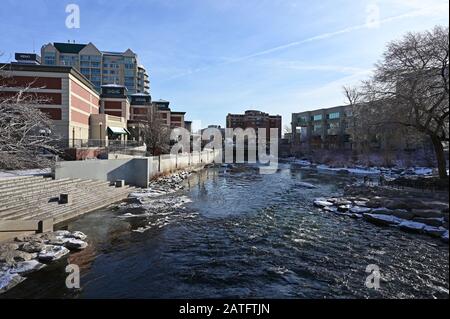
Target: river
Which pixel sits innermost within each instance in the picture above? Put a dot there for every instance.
(246, 235)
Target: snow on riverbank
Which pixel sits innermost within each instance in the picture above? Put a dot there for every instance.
(159, 205)
(28, 254)
(366, 171)
(26, 172)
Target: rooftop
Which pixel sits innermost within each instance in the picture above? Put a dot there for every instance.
(73, 48)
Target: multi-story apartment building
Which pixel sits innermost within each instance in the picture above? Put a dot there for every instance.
(255, 119)
(168, 117)
(100, 67)
(323, 128)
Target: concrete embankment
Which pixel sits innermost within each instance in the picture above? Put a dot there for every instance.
(137, 171)
(33, 204)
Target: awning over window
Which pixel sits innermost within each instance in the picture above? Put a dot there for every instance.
(118, 130)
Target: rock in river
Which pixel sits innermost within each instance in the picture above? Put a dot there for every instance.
(52, 253)
(32, 247)
(305, 185)
(384, 220)
(412, 226)
(9, 280)
(77, 235)
(75, 244)
(344, 208)
(322, 203)
(26, 267)
(360, 210)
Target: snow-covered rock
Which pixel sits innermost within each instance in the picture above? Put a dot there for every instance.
(384, 220)
(360, 210)
(434, 231)
(75, 244)
(330, 209)
(52, 253)
(412, 226)
(322, 203)
(361, 203)
(77, 235)
(12, 256)
(344, 208)
(26, 267)
(32, 246)
(62, 233)
(305, 185)
(436, 222)
(9, 280)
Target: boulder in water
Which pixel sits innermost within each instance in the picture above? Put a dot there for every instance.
(75, 244)
(9, 280)
(322, 203)
(360, 210)
(383, 220)
(26, 267)
(51, 253)
(412, 226)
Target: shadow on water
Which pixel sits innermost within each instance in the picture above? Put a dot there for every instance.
(253, 236)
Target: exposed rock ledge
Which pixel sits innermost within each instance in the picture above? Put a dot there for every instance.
(416, 213)
(32, 253)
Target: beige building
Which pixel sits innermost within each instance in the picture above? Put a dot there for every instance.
(100, 67)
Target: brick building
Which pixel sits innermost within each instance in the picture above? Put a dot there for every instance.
(255, 119)
(70, 98)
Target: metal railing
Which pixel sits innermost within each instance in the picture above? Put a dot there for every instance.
(87, 143)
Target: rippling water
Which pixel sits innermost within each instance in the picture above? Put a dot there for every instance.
(246, 235)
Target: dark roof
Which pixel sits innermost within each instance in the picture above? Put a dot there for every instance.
(73, 48)
(179, 113)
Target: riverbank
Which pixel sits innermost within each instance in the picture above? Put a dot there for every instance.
(28, 254)
(389, 173)
(414, 211)
(240, 234)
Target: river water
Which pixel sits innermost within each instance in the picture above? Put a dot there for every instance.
(245, 235)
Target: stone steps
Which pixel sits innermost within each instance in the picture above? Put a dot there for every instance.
(6, 182)
(35, 198)
(54, 206)
(40, 202)
(23, 198)
(7, 191)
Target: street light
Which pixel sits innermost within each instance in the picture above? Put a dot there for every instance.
(100, 124)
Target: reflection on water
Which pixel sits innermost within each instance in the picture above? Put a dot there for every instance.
(250, 235)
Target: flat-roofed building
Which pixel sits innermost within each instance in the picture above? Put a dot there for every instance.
(70, 98)
(256, 120)
(323, 128)
(114, 101)
(100, 67)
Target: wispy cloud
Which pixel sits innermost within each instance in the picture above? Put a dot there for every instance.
(426, 8)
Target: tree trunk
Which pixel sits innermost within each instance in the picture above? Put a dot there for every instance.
(440, 157)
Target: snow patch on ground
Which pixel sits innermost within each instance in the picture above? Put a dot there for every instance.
(26, 172)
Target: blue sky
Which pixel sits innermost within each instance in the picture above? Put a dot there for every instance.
(213, 57)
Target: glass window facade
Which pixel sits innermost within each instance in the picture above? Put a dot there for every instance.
(317, 117)
(334, 115)
(50, 58)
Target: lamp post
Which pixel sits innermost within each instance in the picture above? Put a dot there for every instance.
(100, 138)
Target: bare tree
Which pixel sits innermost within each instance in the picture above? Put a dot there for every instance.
(410, 88)
(156, 134)
(25, 131)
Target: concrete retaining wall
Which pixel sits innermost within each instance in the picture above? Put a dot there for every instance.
(135, 171)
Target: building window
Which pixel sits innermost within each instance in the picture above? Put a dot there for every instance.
(50, 58)
(334, 115)
(317, 117)
(317, 128)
